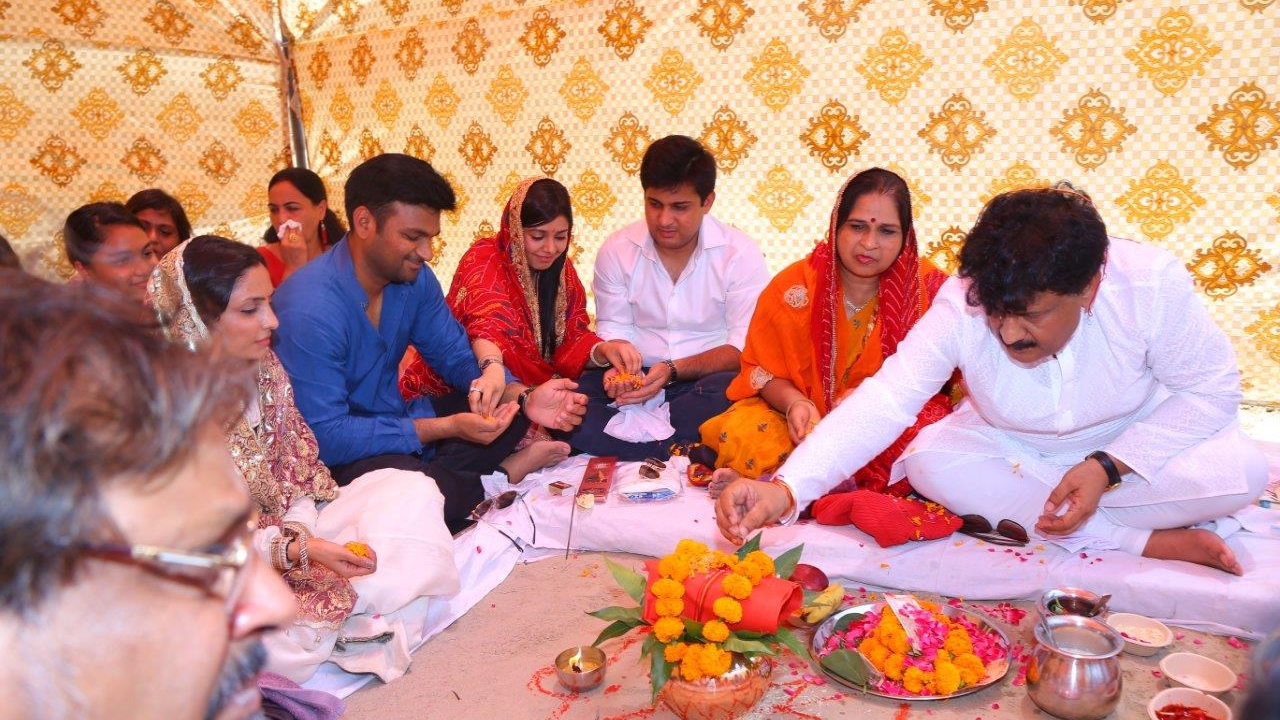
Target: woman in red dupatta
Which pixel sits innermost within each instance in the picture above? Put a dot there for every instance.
(821, 327)
(520, 299)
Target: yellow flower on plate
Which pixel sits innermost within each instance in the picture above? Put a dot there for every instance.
(971, 668)
(913, 679)
(894, 666)
(669, 607)
(715, 631)
(668, 629)
(690, 548)
(690, 667)
(958, 642)
(736, 586)
(946, 678)
(728, 609)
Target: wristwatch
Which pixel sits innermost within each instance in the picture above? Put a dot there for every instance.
(675, 376)
(1109, 465)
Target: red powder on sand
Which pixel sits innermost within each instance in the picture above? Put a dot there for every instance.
(903, 711)
(612, 689)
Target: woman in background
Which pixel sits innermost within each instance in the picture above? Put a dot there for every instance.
(302, 225)
(107, 245)
(162, 217)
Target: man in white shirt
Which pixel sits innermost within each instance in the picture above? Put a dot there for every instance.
(1101, 405)
(681, 287)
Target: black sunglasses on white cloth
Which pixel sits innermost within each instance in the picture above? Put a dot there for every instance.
(503, 501)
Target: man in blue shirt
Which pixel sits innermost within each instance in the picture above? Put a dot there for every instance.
(346, 320)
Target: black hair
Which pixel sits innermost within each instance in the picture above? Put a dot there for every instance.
(390, 178)
(211, 266)
(157, 199)
(8, 258)
(545, 201)
(83, 234)
(675, 160)
(884, 182)
(312, 188)
(1031, 241)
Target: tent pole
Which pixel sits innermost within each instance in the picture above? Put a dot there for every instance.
(291, 100)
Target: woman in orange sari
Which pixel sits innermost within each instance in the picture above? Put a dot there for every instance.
(519, 298)
(821, 327)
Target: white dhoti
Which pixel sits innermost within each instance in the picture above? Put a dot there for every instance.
(399, 514)
(972, 468)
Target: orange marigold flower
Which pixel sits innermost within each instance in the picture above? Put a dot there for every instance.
(668, 629)
(913, 679)
(713, 661)
(666, 588)
(728, 609)
(690, 668)
(958, 642)
(893, 666)
(669, 607)
(674, 652)
(674, 567)
(971, 668)
(715, 631)
(736, 586)
(760, 558)
(690, 548)
(946, 678)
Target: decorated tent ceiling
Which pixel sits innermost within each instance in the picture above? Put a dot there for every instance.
(1167, 113)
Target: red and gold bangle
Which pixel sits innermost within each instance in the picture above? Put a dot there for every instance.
(791, 496)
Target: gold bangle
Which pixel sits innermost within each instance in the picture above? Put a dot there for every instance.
(791, 497)
(787, 414)
(592, 355)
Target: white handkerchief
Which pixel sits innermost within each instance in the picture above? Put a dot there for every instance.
(646, 422)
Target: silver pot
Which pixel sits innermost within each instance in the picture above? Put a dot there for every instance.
(1077, 675)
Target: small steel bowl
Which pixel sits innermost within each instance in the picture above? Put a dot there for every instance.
(589, 672)
(1069, 601)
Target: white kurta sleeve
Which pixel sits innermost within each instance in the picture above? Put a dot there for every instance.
(614, 317)
(749, 276)
(883, 406)
(1191, 357)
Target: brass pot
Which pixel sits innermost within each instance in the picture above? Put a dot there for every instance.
(1075, 674)
(721, 698)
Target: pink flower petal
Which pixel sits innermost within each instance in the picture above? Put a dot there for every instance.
(1157, 674)
(1236, 643)
(1179, 636)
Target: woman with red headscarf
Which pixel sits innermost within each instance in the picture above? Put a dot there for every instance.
(821, 327)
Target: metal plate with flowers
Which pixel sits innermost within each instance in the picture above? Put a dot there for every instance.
(877, 684)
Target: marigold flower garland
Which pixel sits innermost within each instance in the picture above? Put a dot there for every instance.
(705, 659)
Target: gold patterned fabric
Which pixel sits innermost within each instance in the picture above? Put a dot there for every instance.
(101, 99)
(1167, 113)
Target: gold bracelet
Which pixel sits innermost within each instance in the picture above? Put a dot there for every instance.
(787, 414)
(791, 497)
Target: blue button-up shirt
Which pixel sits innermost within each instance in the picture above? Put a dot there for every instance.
(345, 371)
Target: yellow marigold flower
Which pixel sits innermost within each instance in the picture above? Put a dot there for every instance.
(760, 558)
(736, 586)
(958, 642)
(665, 588)
(674, 652)
(893, 666)
(896, 640)
(713, 661)
(875, 653)
(942, 655)
(913, 679)
(751, 571)
(690, 548)
(946, 678)
(669, 607)
(715, 631)
(674, 567)
(889, 620)
(971, 668)
(668, 629)
(929, 606)
(727, 609)
(690, 667)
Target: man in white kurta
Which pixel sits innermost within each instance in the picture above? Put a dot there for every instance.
(681, 287)
(1146, 377)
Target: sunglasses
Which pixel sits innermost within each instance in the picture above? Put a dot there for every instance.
(503, 501)
(651, 468)
(1006, 532)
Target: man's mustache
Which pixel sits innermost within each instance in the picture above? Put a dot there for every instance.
(1021, 345)
(239, 669)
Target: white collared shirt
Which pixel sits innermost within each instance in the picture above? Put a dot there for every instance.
(708, 306)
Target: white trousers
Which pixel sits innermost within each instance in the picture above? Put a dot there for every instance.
(998, 488)
(400, 514)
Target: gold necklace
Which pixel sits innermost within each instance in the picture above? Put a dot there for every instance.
(853, 311)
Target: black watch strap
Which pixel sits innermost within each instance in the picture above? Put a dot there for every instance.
(1109, 465)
